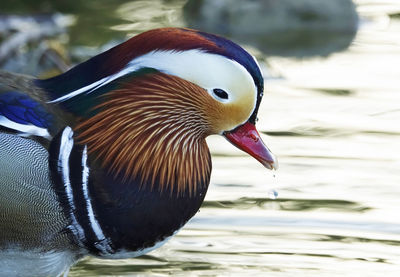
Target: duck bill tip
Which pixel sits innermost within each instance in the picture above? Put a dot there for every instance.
(246, 138)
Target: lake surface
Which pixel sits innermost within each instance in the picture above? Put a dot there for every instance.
(332, 208)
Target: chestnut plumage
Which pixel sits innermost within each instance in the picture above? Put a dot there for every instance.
(152, 128)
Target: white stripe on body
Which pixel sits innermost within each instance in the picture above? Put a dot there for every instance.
(66, 145)
(104, 244)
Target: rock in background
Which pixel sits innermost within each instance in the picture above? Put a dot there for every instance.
(298, 28)
(33, 44)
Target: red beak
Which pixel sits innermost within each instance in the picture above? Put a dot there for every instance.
(246, 138)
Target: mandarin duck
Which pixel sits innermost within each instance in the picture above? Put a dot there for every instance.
(109, 159)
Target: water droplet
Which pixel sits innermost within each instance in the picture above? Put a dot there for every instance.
(272, 194)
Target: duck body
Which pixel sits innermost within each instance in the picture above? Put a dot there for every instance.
(109, 159)
(129, 221)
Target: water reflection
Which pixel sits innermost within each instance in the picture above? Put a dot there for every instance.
(288, 204)
(140, 16)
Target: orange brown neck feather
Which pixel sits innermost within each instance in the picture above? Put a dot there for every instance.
(153, 128)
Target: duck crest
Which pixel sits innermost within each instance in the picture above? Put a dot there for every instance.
(118, 61)
(151, 130)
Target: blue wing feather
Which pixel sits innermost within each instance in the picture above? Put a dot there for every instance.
(21, 109)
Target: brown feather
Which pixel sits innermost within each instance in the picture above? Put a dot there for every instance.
(155, 128)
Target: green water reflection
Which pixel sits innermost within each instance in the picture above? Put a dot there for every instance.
(288, 204)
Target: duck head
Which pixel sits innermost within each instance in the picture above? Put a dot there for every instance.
(145, 107)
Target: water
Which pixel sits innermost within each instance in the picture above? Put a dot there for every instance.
(334, 125)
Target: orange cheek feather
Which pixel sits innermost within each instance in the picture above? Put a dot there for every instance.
(225, 117)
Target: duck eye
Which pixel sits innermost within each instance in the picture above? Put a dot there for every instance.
(220, 93)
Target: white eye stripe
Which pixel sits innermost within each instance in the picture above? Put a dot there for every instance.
(204, 69)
